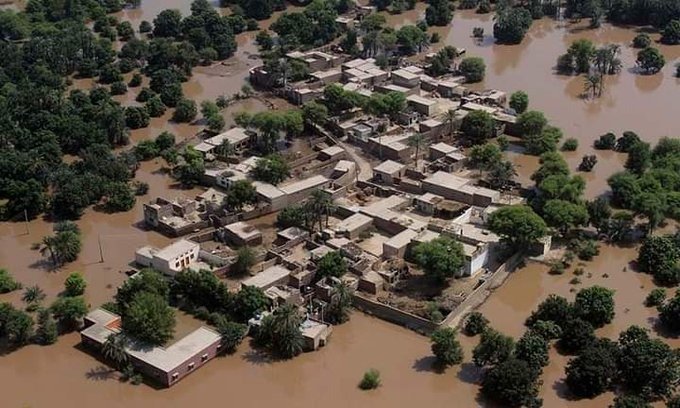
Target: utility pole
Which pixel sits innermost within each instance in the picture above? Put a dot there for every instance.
(26, 220)
(101, 252)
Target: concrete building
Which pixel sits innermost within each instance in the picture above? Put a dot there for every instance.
(165, 365)
(272, 276)
(405, 78)
(175, 218)
(332, 153)
(433, 128)
(352, 226)
(439, 150)
(242, 234)
(170, 260)
(459, 189)
(427, 203)
(388, 172)
(237, 137)
(396, 246)
(422, 105)
(315, 334)
(301, 190)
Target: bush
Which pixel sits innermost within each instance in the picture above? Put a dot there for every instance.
(371, 380)
(656, 297)
(570, 145)
(185, 111)
(75, 284)
(7, 283)
(446, 347)
(519, 101)
(135, 81)
(118, 88)
(145, 94)
(473, 69)
(475, 324)
(606, 142)
(642, 41)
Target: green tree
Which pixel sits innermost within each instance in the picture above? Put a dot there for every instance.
(339, 308)
(155, 107)
(501, 175)
(231, 335)
(332, 264)
(114, 350)
(272, 169)
(16, 326)
(75, 284)
(669, 313)
(531, 123)
(149, 319)
(240, 193)
(493, 348)
(291, 216)
(287, 340)
(370, 380)
(518, 225)
(33, 295)
(647, 366)
(639, 158)
(650, 60)
(249, 301)
(656, 297)
(475, 324)
(577, 334)
(314, 113)
(119, 197)
(136, 117)
(630, 401)
(7, 282)
(671, 33)
(167, 23)
(554, 309)
(595, 305)
(412, 39)
(564, 215)
(485, 156)
(547, 329)
(473, 69)
(440, 258)
(245, 259)
(438, 13)
(593, 371)
(599, 213)
(533, 349)
(659, 256)
(185, 111)
(652, 206)
(417, 141)
(445, 347)
(69, 311)
(511, 25)
(511, 384)
(478, 126)
(46, 332)
(519, 101)
(148, 280)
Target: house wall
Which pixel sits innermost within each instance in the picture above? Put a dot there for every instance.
(477, 262)
(182, 370)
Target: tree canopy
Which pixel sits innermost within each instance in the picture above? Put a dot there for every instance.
(440, 258)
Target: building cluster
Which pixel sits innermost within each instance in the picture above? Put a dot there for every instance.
(413, 195)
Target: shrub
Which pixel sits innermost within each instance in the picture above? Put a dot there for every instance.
(642, 41)
(656, 297)
(371, 380)
(476, 323)
(570, 145)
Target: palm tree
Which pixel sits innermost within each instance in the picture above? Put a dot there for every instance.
(32, 295)
(451, 120)
(320, 203)
(114, 349)
(287, 338)
(591, 85)
(417, 141)
(48, 246)
(341, 302)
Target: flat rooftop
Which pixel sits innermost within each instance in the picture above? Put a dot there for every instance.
(176, 249)
(267, 277)
(312, 182)
(389, 167)
(447, 180)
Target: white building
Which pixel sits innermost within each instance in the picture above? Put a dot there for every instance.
(170, 260)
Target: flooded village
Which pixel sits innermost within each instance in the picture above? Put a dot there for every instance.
(339, 177)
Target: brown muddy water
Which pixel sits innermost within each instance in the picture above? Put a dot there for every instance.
(65, 375)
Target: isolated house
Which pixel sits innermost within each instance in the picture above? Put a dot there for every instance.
(170, 260)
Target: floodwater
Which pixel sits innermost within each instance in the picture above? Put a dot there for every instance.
(330, 376)
(645, 104)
